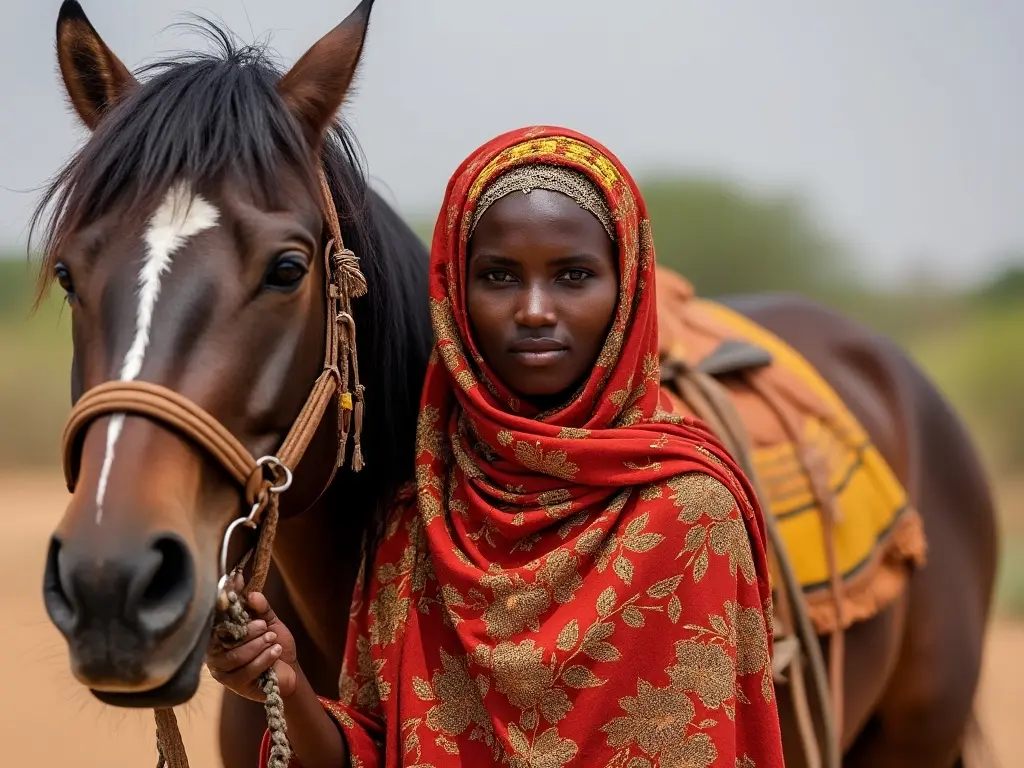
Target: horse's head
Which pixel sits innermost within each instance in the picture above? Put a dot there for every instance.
(189, 236)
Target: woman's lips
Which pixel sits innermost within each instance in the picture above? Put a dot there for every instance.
(538, 352)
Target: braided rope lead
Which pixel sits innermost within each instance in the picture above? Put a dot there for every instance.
(169, 747)
(228, 632)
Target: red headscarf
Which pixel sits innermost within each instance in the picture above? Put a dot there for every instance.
(582, 587)
(618, 433)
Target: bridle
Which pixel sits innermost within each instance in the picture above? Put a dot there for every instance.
(261, 481)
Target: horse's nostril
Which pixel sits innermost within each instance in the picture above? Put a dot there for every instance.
(165, 599)
(58, 604)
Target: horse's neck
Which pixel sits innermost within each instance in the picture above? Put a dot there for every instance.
(318, 556)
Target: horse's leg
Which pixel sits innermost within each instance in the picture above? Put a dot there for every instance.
(927, 707)
(243, 722)
(872, 652)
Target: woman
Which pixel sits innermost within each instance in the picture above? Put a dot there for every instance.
(580, 576)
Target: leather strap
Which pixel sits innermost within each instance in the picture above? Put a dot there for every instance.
(157, 402)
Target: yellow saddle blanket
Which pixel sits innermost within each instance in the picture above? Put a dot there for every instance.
(877, 536)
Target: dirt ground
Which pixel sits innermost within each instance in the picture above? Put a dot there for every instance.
(47, 719)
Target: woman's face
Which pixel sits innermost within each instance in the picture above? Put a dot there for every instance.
(541, 290)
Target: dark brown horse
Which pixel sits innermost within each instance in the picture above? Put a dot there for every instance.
(223, 303)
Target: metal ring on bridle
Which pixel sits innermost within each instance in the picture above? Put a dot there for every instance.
(262, 462)
(248, 522)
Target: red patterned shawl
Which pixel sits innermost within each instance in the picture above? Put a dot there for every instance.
(583, 587)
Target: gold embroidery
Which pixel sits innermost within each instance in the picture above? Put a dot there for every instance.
(578, 152)
(429, 438)
(388, 612)
(650, 492)
(549, 750)
(730, 538)
(560, 575)
(699, 494)
(652, 466)
(612, 347)
(652, 368)
(459, 702)
(557, 496)
(573, 433)
(656, 719)
(522, 676)
(706, 670)
(450, 218)
(517, 605)
(661, 416)
(554, 463)
(339, 715)
(660, 443)
(465, 461)
(633, 416)
(428, 494)
(698, 751)
(748, 632)
(443, 321)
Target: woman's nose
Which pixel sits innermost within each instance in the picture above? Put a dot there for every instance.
(536, 308)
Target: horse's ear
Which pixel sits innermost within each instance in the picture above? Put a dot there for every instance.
(94, 77)
(315, 87)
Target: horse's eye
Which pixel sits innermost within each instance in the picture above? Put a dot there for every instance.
(286, 273)
(64, 278)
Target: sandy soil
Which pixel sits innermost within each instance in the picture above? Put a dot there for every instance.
(47, 719)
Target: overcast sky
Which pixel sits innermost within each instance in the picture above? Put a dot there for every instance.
(903, 122)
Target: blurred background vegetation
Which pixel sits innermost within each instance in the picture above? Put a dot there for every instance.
(726, 239)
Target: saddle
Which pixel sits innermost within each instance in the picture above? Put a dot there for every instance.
(842, 536)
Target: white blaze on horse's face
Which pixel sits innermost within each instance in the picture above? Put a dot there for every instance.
(180, 216)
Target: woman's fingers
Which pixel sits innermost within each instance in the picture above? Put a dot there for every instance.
(258, 606)
(253, 630)
(231, 659)
(243, 680)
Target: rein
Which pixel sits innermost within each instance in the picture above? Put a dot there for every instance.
(261, 481)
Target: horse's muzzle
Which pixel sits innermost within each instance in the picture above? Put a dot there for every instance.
(115, 608)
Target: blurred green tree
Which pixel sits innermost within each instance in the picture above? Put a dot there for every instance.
(1007, 287)
(726, 238)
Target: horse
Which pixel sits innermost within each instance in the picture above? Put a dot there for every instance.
(227, 308)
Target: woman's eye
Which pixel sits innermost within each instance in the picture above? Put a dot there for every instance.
(499, 276)
(576, 275)
(286, 273)
(63, 276)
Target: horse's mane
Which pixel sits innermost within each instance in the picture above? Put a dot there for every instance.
(200, 116)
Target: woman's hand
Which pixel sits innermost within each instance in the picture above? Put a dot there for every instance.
(267, 643)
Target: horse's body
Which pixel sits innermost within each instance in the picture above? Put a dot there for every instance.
(910, 672)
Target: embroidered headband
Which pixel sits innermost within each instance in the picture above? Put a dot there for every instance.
(554, 178)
